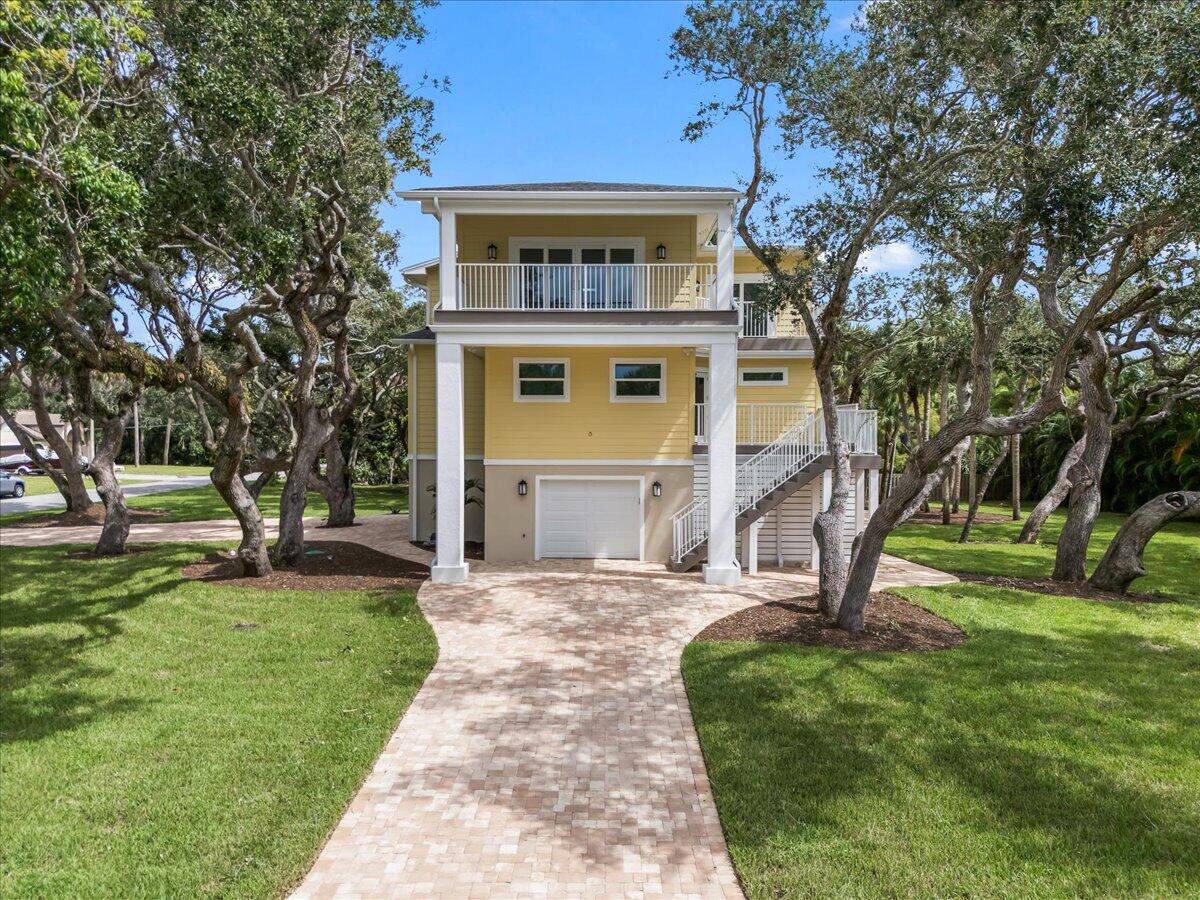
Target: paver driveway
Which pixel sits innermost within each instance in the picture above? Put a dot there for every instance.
(551, 750)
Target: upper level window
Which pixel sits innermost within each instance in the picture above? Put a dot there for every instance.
(763, 377)
(639, 381)
(541, 380)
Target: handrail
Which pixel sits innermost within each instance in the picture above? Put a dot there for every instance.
(586, 286)
(779, 460)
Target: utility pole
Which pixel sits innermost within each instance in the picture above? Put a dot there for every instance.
(137, 437)
(91, 439)
(167, 444)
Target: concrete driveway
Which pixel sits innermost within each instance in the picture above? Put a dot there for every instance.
(551, 751)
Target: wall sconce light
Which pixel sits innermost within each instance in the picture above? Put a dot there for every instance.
(661, 251)
(656, 489)
(491, 252)
(522, 488)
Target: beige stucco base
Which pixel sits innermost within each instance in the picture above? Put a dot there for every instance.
(509, 519)
(421, 500)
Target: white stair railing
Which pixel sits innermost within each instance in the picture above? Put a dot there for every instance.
(754, 479)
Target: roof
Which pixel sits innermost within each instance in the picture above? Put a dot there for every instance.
(29, 418)
(587, 187)
(416, 337)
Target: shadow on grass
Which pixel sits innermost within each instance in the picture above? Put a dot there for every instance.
(55, 610)
(1072, 740)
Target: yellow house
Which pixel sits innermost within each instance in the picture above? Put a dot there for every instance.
(597, 380)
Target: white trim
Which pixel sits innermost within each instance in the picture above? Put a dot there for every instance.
(775, 354)
(432, 456)
(518, 397)
(566, 335)
(742, 382)
(537, 507)
(575, 244)
(639, 463)
(613, 362)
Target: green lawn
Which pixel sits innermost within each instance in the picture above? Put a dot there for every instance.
(1056, 753)
(163, 470)
(197, 504)
(153, 745)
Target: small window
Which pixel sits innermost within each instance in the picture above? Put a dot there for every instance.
(541, 380)
(639, 381)
(762, 377)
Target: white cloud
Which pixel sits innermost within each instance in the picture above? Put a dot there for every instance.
(894, 257)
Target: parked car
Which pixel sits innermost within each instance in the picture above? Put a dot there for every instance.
(11, 485)
(21, 464)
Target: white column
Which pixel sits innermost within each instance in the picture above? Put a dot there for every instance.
(821, 502)
(450, 564)
(873, 489)
(725, 258)
(447, 262)
(722, 565)
(752, 544)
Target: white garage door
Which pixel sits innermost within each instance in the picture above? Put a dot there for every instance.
(589, 518)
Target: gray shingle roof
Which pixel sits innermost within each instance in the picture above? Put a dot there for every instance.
(585, 187)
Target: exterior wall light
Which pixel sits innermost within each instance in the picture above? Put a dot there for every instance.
(656, 489)
(661, 251)
(491, 252)
(522, 488)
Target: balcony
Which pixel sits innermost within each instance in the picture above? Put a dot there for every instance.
(763, 423)
(586, 287)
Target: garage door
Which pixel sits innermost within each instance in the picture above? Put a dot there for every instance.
(589, 518)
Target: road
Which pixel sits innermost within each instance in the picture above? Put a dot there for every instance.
(54, 501)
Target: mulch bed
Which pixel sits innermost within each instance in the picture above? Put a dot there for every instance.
(1080, 589)
(934, 517)
(327, 566)
(892, 624)
(93, 515)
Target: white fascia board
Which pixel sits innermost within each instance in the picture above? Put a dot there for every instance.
(587, 336)
(456, 196)
(768, 354)
(579, 204)
(639, 463)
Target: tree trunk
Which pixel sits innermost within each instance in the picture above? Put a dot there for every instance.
(69, 477)
(167, 444)
(1054, 497)
(986, 482)
(1070, 557)
(289, 548)
(102, 469)
(137, 437)
(227, 479)
(338, 486)
(828, 527)
(1122, 562)
(1015, 448)
(972, 468)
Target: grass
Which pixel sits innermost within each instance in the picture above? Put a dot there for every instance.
(130, 469)
(153, 747)
(1055, 753)
(197, 504)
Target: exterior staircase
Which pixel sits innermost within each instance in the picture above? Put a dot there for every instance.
(762, 482)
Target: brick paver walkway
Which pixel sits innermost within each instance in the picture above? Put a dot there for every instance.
(551, 751)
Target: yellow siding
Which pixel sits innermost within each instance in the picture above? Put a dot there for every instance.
(787, 322)
(590, 426)
(433, 288)
(801, 386)
(676, 233)
(424, 422)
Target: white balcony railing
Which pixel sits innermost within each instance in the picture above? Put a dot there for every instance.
(586, 287)
(754, 320)
(763, 423)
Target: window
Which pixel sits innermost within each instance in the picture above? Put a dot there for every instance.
(541, 380)
(638, 381)
(762, 377)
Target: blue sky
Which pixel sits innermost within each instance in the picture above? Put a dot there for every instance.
(563, 91)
